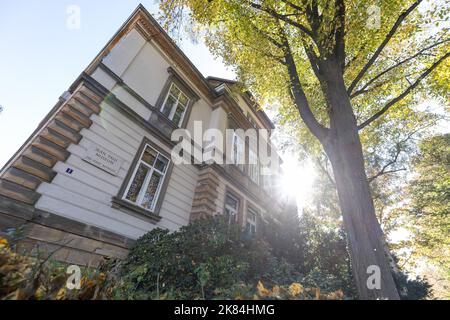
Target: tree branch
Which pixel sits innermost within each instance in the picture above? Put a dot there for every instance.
(388, 37)
(385, 172)
(317, 129)
(363, 89)
(282, 17)
(265, 35)
(356, 56)
(398, 151)
(387, 165)
(313, 59)
(339, 33)
(294, 6)
(403, 94)
(330, 178)
(279, 59)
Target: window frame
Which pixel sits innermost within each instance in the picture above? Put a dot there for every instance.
(240, 146)
(266, 180)
(254, 223)
(175, 106)
(174, 78)
(238, 208)
(120, 200)
(254, 170)
(146, 182)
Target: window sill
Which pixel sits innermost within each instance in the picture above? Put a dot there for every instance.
(126, 206)
(163, 117)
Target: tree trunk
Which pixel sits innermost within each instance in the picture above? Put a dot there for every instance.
(365, 236)
(363, 230)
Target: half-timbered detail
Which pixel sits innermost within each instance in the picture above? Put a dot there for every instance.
(97, 173)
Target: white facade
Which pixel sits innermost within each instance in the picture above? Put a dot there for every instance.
(85, 194)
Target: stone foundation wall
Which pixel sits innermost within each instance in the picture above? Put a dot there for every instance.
(42, 234)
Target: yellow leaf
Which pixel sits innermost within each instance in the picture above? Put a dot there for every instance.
(61, 295)
(337, 295)
(295, 289)
(263, 292)
(39, 293)
(102, 277)
(3, 242)
(276, 291)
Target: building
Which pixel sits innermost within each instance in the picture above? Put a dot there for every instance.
(97, 172)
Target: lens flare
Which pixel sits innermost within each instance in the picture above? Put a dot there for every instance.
(297, 179)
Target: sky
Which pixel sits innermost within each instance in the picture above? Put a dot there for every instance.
(41, 54)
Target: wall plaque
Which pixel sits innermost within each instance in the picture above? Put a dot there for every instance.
(103, 159)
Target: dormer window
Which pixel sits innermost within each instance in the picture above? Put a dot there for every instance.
(175, 105)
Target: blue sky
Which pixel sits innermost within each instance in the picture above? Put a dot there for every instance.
(41, 57)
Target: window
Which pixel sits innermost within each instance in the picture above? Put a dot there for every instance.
(253, 167)
(251, 120)
(238, 151)
(148, 176)
(266, 178)
(175, 105)
(250, 226)
(231, 208)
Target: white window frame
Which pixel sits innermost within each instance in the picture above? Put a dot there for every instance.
(266, 182)
(253, 168)
(251, 222)
(146, 181)
(177, 102)
(238, 151)
(229, 209)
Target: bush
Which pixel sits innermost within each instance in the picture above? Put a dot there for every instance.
(24, 277)
(208, 260)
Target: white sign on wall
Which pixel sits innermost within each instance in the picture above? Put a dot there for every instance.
(103, 159)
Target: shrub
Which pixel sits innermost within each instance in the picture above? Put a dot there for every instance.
(24, 277)
(207, 259)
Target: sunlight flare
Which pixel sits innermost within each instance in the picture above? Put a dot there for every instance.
(297, 179)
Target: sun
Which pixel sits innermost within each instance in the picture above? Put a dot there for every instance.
(297, 179)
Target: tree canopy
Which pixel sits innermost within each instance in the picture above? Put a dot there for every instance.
(349, 71)
(391, 48)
